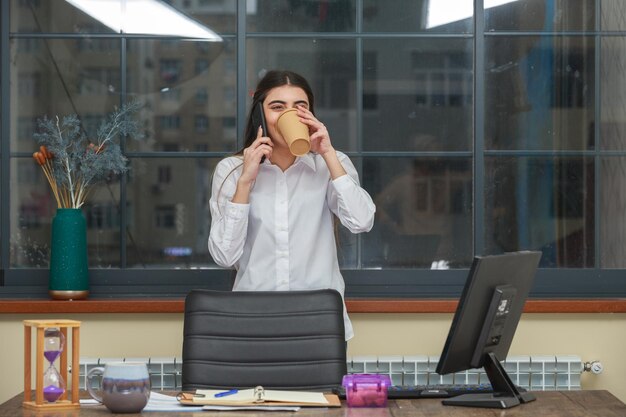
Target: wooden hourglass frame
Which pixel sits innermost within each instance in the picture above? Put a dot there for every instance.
(41, 325)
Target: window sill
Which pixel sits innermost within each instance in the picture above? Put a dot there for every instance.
(354, 306)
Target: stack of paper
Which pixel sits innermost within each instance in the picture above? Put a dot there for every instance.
(162, 402)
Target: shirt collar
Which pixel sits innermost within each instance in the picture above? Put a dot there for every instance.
(308, 160)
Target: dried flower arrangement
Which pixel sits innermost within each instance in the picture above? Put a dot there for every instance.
(73, 163)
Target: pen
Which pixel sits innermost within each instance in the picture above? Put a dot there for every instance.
(225, 393)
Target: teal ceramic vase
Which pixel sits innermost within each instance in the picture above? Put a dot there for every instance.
(69, 279)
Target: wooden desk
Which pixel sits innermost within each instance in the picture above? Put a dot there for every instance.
(548, 404)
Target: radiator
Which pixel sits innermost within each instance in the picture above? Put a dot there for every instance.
(535, 373)
(165, 372)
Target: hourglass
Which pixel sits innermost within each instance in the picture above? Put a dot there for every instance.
(53, 383)
(51, 364)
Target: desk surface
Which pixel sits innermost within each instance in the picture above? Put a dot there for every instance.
(548, 404)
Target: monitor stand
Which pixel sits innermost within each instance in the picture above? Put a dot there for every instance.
(505, 393)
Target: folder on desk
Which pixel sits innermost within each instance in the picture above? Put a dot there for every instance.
(261, 397)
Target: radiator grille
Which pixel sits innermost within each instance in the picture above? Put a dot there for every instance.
(535, 373)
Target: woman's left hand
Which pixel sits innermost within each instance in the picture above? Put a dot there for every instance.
(320, 140)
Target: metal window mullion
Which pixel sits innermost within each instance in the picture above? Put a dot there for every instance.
(538, 33)
(124, 178)
(4, 140)
(596, 143)
(479, 127)
(359, 112)
(241, 72)
(351, 35)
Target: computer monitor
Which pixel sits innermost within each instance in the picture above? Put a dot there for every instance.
(484, 325)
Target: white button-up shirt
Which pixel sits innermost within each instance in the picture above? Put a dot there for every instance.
(284, 239)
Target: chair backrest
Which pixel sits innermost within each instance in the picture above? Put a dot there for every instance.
(277, 339)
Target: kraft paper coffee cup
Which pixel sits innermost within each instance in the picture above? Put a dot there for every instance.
(295, 132)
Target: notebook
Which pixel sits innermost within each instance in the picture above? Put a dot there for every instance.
(261, 397)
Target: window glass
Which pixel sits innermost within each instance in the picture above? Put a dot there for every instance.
(612, 15)
(34, 208)
(58, 79)
(170, 218)
(202, 65)
(220, 16)
(31, 215)
(439, 16)
(411, 141)
(539, 92)
(612, 209)
(201, 123)
(31, 212)
(541, 204)
(423, 212)
(186, 105)
(103, 217)
(540, 15)
(613, 98)
(300, 16)
(330, 67)
(61, 16)
(57, 16)
(417, 94)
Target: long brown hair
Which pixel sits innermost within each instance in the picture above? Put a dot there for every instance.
(273, 79)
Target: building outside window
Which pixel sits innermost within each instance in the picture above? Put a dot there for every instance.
(164, 174)
(169, 122)
(201, 123)
(164, 217)
(29, 84)
(170, 94)
(201, 65)
(170, 70)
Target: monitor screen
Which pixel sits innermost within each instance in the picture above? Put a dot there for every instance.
(484, 325)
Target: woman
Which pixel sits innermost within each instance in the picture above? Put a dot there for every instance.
(272, 212)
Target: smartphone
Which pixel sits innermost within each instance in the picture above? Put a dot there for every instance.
(258, 119)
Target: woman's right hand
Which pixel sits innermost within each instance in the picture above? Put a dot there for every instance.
(252, 155)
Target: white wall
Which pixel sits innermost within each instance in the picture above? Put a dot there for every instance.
(590, 336)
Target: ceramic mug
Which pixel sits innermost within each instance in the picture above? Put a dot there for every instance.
(124, 388)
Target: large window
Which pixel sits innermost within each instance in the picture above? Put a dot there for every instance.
(477, 126)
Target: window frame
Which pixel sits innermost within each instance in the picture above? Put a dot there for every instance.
(388, 284)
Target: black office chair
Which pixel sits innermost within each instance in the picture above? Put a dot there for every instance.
(277, 339)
